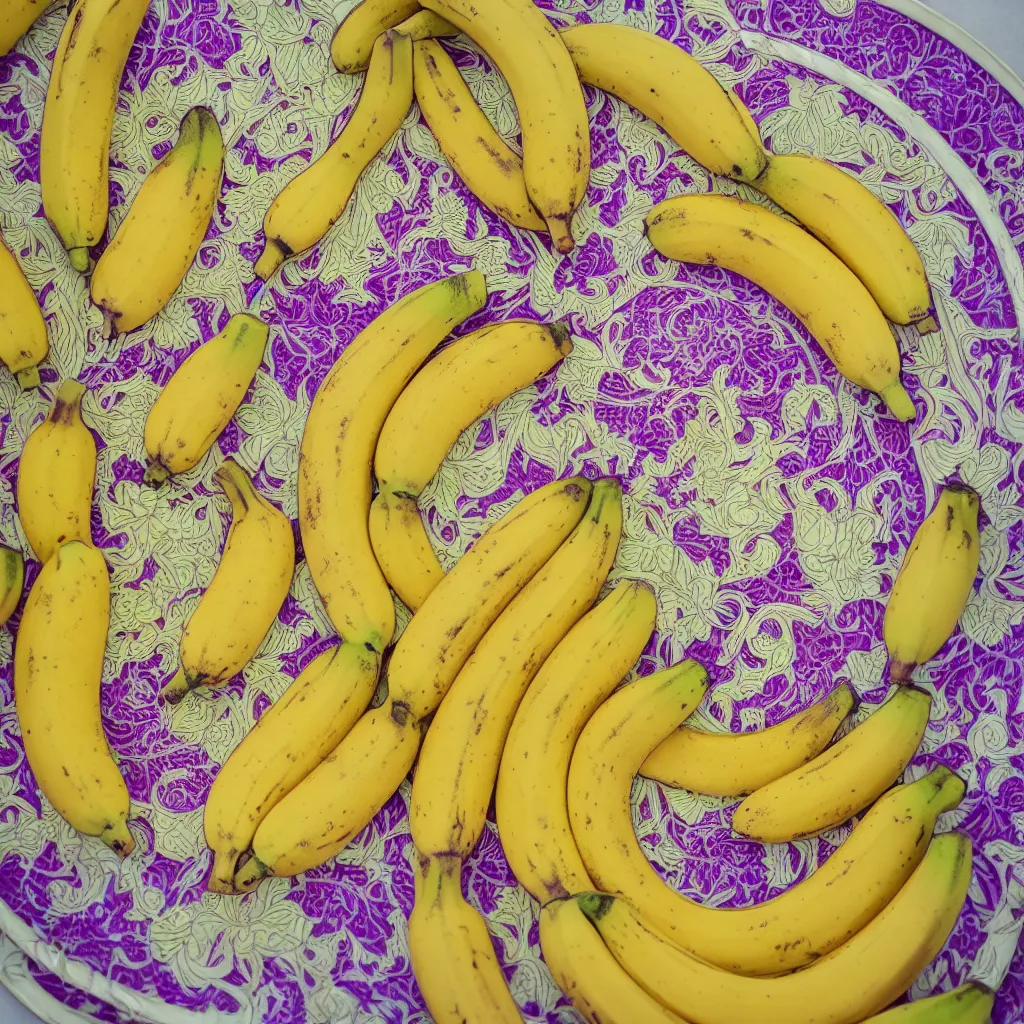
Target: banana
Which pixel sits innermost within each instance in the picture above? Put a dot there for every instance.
(426, 25)
(867, 973)
(58, 664)
(452, 391)
(311, 718)
(23, 341)
(12, 580)
(56, 476)
(197, 403)
(968, 1004)
(934, 582)
(153, 248)
(242, 601)
(734, 764)
(822, 292)
(532, 815)
(459, 762)
(16, 18)
(311, 202)
(452, 956)
(339, 441)
(675, 91)
(74, 149)
(549, 99)
(354, 39)
(600, 990)
(491, 170)
(844, 779)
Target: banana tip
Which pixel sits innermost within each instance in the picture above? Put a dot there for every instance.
(119, 839)
(156, 473)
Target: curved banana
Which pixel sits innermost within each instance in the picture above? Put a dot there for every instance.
(16, 18)
(822, 292)
(600, 990)
(461, 752)
(197, 403)
(675, 91)
(734, 764)
(491, 170)
(426, 25)
(58, 664)
(968, 1004)
(934, 582)
(452, 391)
(354, 39)
(242, 601)
(867, 973)
(310, 719)
(12, 580)
(528, 51)
(338, 444)
(23, 341)
(532, 815)
(74, 149)
(311, 202)
(153, 248)
(56, 476)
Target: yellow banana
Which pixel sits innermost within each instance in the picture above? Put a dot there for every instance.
(462, 750)
(354, 39)
(867, 973)
(934, 582)
(426, 25)
(532, 816)
(442, 400)
(16, 18)
(734, 764)
(58, 664)
(56, 476)
(311, 718)
(338, 444)
(197, 403)
(822, 292)
(528, 51)
(242, 601)
(12, 580)
(23, 341)
(153, 248)
(968, 1004)
(310, 203)
(667, 85)
(74, 150)
(600, 990)
(491, 170)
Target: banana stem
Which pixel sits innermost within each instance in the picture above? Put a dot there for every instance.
(67, 403)
(929, 325)
(273, 256)
(222, 878)
(176, 688)
(900, 672)
(950, 789)
(28, 378)
(250, 874)
(79, 258)
(236, 484)
(118, 838)
(561, 233)
(899, 402)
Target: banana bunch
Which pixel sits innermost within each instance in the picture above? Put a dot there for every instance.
(241, 603)
(338, 445)
(311, 202)
(16, 18)
(968, 1004)
(197, 403)
(56, 476)
(12, 580)
(58, 663)
(822, 292)
(23, 341)
(74, 151)
(455, 388)
(354, 39)
(934, 582)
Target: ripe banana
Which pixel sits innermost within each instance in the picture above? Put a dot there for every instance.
(532, 815)
(844, 779)
(452, 956)
(452, 391)
(12, 580)
(354, 39)
(311, 718)
(242, 601)
(338, 444)
(734, 764)
(58, 664)
(491, 170)
(462, 750)
(23, 341)
(56, 476)
(426, 25)
(822, 292)
(968, 1004)
(934, 582)
(667, 85)
(16, 18)
(74, 150)
(310, 203)
(197, 403)
(867, 973)
(528, 51)
(600, 990)
(153, 248)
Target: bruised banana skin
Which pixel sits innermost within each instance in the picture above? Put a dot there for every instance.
(23, 340)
